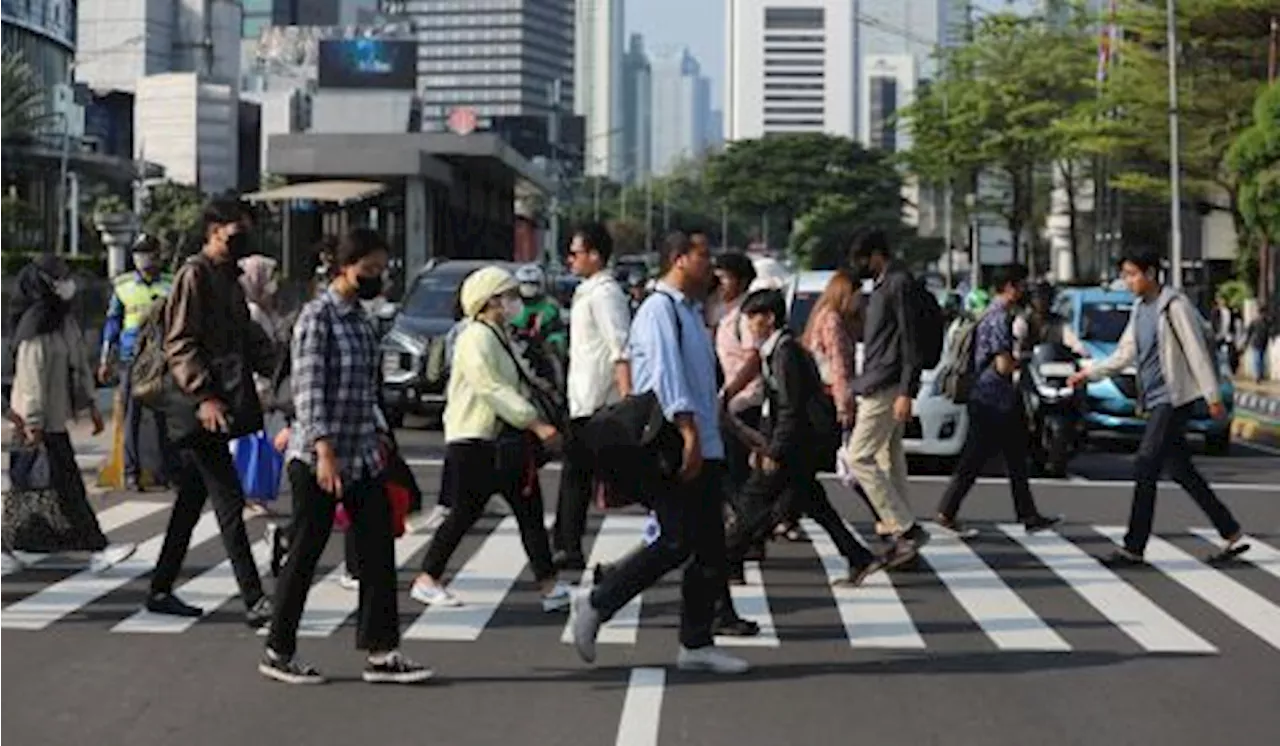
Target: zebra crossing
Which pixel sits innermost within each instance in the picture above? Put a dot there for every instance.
(491, 578)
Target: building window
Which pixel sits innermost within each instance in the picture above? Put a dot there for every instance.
(793, 18)
(884, 104)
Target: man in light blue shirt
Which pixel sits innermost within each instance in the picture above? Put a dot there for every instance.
(672, 355)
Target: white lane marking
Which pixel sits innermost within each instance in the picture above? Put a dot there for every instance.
(642, 708)
(1247, 608)
(109, 520)
(63, 598)
(1074, 481)
(873, 614)
(208, 591)
(617, 537)
(1261, 555)
(1259, 447)
(994, 606)
(329, 604)
(1133, 613)
(480, 585)
(751, 601)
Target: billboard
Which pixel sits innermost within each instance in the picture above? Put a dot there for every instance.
(368, 63)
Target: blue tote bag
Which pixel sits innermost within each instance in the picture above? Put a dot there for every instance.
(259, 465)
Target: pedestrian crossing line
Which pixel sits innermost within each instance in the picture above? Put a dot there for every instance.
(481, 585)
(873, 614)
(1247, 608)
(617, 537)
(109, 520)
(1123, 605)
(1261, 555)
(329, 605)
(63, 598)
(207, 591)
(1006, 619)
(751, 601)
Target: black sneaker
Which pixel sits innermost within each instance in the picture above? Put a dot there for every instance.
(259, 615)
(1124, 558)
(288, 670)
(737, 627)
(170, 605)
(396, 669)
(953, 527)
(1040, 523)
(859, 573)
(569, 560)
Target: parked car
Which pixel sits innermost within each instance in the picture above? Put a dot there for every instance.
(938, 425)
(1096, 317)
(425, 316)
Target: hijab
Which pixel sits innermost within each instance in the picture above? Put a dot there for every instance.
(258, 279)
(36, 306)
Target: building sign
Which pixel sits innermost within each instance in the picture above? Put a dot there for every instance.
(368, 62)
(53, 18)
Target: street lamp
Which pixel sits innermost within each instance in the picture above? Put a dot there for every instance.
(1175, 171)
(975, 251)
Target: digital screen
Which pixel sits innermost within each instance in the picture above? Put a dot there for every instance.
(368, 63)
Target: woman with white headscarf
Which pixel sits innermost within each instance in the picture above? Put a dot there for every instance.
(258, 462)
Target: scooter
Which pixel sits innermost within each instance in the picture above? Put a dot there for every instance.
(1055, 411)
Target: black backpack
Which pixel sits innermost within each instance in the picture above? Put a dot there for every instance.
(632, 447)
(929, 323)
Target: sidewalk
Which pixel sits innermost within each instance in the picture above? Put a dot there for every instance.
(1257, 412)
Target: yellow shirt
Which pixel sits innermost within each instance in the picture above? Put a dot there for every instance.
(484, 389)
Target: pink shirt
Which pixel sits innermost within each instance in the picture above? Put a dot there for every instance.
(834, 350)
(734, 345)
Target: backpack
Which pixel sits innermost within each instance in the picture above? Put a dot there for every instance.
(929, 324)
(149, 368)
(824, 424)
(957, 375)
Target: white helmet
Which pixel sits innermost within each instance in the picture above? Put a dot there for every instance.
(531, 280)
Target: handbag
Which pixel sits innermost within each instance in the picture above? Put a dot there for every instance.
(514, 445)
(33, 517)
(259, 465)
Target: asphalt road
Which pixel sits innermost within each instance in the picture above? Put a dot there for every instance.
(1001, 641)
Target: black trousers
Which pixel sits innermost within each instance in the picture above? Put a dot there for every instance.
(991, 430)
(790, 491)
(474, 481)
(692, 524)
(737, 455)
(206, 472)
(133, 419)
(575, 495)
(1164, 448)
(377, 617)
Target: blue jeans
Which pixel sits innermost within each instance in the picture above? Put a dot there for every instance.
(1259, 363)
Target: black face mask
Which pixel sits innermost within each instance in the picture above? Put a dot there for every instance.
(238, 245)
(368, 288)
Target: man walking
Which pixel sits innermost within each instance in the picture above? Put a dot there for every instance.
(211, 346)
(996, 418)
(672, 356)
(886, 387)
(1165, 340)
(599, 374)
(133, 295)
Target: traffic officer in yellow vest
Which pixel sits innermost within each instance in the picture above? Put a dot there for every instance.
(135, 292)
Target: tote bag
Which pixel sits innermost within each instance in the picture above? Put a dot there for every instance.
(259, 465)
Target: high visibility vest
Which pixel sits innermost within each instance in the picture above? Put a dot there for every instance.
(137, 296)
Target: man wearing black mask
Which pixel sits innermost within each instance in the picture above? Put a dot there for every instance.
(211, 347)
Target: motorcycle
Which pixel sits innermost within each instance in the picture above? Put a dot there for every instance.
(1055, 411)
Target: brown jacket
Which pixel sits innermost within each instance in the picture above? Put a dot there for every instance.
(206, 320)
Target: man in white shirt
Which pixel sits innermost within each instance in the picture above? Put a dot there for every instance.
(599, 374)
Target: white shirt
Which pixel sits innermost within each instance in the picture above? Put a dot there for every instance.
(599, 321)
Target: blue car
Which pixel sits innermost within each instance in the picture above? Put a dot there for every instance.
(1096, 317)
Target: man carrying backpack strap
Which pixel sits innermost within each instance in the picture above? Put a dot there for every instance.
(1165, 339)
(886, 386)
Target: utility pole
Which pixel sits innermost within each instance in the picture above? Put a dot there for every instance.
(1175, 168)
(553, 137)
(724, 225)
(648, 212)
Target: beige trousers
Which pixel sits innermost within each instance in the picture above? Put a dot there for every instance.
(877, 461)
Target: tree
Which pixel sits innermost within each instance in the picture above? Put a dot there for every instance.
(1254, 162)
(628, 236)
(821, 237)
(23, 106)
(785, 176)
(172, 216)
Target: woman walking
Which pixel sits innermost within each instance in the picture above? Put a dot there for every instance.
(254, 452)
(488, 419)
(52, 383)
(337, 453)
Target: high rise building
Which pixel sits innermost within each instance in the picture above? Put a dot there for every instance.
(261, 13)
(498, 57)
(681, 109)
(637, 112)
(597, 80)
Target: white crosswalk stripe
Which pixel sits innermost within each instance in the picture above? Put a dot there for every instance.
(1207, 600)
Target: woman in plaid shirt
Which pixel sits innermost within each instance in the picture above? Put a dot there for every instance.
(338, 451)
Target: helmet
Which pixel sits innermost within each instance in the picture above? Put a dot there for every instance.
(977, 300)
(635, 279)
(531, 280)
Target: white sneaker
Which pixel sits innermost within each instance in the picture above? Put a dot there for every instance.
(557, 598)
(433, 595)
(349, 582)
(585, 622)
(113, 555)
(710, 659)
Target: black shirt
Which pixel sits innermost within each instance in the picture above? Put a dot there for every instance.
(889, 359)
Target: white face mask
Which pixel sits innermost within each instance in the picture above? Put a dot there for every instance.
(512, 308)
(65, 289)
(272, 287)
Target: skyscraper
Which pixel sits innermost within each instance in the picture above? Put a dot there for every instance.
(681, 109)
(637, 112)
(499, 57)
(597, 78)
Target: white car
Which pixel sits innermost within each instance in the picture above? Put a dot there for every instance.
(938, 425)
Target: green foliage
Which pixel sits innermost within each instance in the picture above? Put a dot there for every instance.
(1236, 292)
(628, 236)
(1254, 159)
(173, 216)
(15, 259)
(18, 219)
(109, 204)
(24, 104)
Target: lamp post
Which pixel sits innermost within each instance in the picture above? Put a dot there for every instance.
(1175, 169)
(975, 250)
